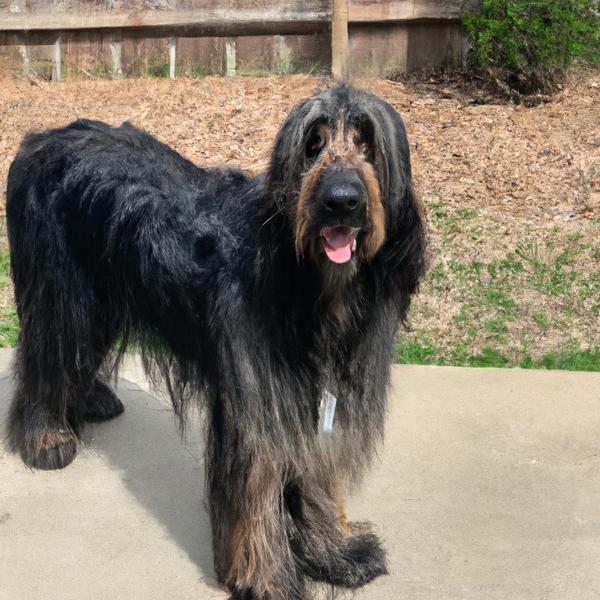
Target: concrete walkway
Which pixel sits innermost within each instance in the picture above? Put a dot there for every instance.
(488, 488)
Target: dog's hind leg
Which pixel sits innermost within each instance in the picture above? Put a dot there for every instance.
(55, 370)
(38, 427)
(101, 403)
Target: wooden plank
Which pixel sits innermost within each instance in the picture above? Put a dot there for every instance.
(404, 10)
(221, 21)
(229, 22)
(339, 39)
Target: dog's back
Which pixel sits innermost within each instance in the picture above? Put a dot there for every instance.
(80, 185)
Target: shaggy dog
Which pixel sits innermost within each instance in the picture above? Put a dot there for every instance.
(270, 301)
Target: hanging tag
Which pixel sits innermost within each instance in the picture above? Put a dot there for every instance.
(327, 412)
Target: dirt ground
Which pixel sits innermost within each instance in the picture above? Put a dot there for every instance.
(513, 193)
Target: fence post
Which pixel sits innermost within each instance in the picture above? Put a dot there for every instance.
(115, 46)
(339, 38)
(172, 56)
(57, 61)
(24, 52)
(230, 62)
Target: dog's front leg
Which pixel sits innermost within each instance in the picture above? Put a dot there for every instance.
(328, 548)
(251, 539)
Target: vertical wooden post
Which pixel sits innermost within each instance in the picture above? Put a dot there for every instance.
(230, 61)
(283, 55)
(339, 38)
(24, 52)
(115, 46)
(56, 62)
(172, 56)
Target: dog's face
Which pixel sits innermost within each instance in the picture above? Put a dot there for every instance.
(339, 215)
(339, 172)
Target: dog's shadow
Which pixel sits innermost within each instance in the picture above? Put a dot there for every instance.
(163, 472)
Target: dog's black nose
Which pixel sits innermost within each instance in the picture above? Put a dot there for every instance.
(344, 199)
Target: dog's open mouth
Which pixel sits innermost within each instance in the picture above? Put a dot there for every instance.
(339, 242)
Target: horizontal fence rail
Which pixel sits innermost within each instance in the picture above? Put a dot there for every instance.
(201, 22)
(229, 22)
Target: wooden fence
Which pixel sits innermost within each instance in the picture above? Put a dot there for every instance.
(26, 29)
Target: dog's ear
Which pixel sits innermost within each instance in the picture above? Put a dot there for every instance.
(391, 157)
(403, 254)
(285, 169)
(286, 156)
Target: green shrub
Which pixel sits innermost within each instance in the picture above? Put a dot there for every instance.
(529, 44)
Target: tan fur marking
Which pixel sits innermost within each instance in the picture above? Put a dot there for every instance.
(339, 505)
(376, 213)
(56, 438)
(241, 562)
(309, 183)
(256, 542)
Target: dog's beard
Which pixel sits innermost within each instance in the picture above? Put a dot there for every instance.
(336, 276)
(336, 259)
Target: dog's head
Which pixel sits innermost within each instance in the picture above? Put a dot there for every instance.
(340, 180)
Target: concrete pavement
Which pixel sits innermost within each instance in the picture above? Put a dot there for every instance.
(488, 488)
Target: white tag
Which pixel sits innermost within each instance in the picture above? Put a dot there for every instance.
(327, 412)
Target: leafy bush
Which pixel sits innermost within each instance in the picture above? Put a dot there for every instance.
(529, 44)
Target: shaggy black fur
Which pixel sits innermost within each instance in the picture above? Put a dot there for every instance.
(226, 284)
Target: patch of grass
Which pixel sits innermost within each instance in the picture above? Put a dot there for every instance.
(453, 221)
(505, 301)
(541, 320)
(9, 328)
(157, 67)
(42, 69)
(416, 353)
(4, 269)
(489, 357)
(577, 360)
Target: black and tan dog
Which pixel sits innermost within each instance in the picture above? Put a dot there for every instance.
(272, 302)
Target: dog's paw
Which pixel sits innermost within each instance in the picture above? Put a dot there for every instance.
(48, 449)
(243, 595)
(356, 561)
(363, 560)
(102, 403)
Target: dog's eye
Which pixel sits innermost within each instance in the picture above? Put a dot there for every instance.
(364, 146)
(314, 144)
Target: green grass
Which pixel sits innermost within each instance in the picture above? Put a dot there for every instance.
(505, 294)
(588, 360)
(413, 353)
(9, 322)
(9, 328)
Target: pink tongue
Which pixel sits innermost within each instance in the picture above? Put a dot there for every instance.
(338, 243)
